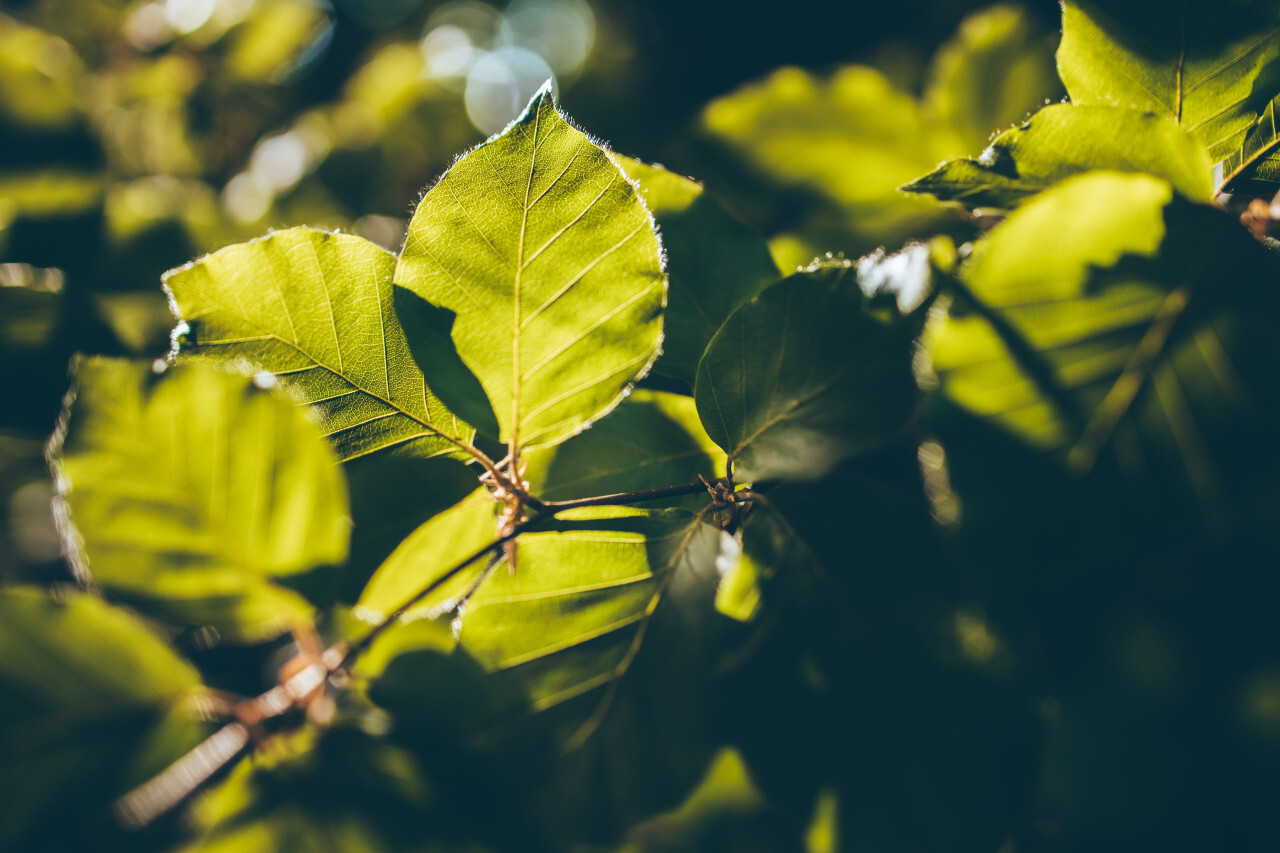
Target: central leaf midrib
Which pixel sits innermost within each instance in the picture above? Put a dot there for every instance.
(519, 270)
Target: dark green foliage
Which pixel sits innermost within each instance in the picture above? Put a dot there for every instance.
(573, 523)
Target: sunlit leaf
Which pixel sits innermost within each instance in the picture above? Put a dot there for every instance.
(427, 553)
(1108, 314)
(995, 70)
(1062, 140)
(571, 619)
(1255, 167)
(187, 493)
(84, 691)
(1211, 69)
(652, 439)
(316, 309)
(844, 144)
(807, 374)
(716, 264)
(542, 248)
(40, 77)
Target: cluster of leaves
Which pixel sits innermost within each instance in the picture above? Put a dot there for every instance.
(936, 592)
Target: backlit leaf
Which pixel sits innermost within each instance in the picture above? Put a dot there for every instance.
(1063, 140)
(995, 70)
(188, 492)
(1108, 314)
(542, 248)
(843, 144)
(807, 373)
(316, 309)
(571, 619)
(1211, 69)
(1255, 167)
(716, 264)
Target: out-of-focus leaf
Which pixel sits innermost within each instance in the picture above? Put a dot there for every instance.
(187, 493)
(993, 72)
(652, 439)
(1255, 167)
(716, 264)
(541, 247)
(807, 374)
(1211, 69)
(141, 321)
(1107, 313)
(847, 142)
(50, 194)
(30, 307)
(40, 78)
(1063, 140)
(346, 791)
(316, 309)
(277, 38)
(84, 692)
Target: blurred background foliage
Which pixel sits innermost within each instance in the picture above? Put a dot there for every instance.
(1072, 668)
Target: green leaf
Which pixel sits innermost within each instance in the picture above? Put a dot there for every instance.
(573, 616)
(1211, 69)
(316, 309)
(993, 72)
(1107, 313)
(807, 374)
(840, 146)
(1254, 169)
(716, 264)
(652, 439)
(188, 493)
(542, 248)
(427, 553)
(84, 690)
(848, 141)
(1063, 140)
(30, 308)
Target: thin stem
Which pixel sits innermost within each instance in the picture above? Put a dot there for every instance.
(624, 498)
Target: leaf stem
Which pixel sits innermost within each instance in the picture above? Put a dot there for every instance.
(623, 498)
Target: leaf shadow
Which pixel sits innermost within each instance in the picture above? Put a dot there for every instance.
(429, 331)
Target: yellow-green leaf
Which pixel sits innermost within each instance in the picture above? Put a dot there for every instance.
(1211, 69)
(187, 493)
(540, 245)
(316, 309)
(1064, 140)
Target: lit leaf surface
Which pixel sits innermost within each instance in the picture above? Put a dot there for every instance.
(807, 373)
(716, 264)
(1105, 313)
(1212, 70)
(573, 616)
(1063, 140)
(83, 690)
(995, 70)
(1255, 167)
(316, 309)
(541, 247)
(427, 553)
(862, 137)
(188, 492)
